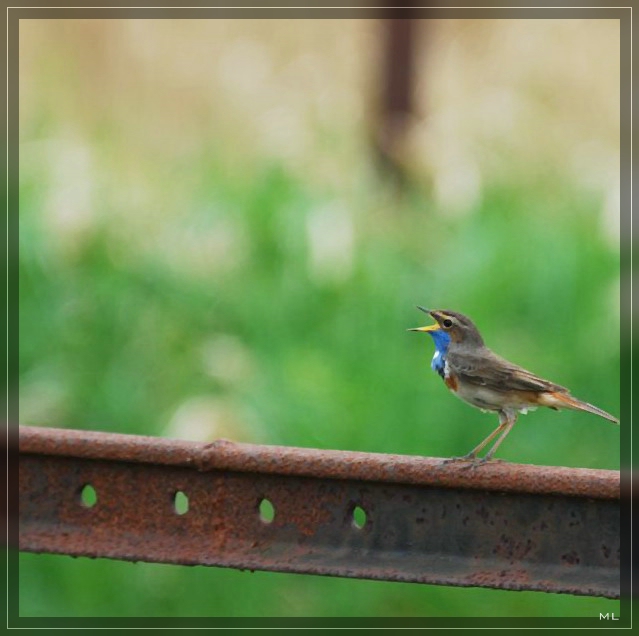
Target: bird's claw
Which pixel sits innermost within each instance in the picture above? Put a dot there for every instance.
(464, 458)
(473, 461)
(482, 461)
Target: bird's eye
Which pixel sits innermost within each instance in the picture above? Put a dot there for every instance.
(447, 323)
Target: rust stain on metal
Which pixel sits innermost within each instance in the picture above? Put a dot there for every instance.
(503, 525)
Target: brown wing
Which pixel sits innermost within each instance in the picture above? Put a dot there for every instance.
(494, 372)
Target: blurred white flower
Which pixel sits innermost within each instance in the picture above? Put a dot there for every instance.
(43, 398)
(457, 186)
(331, 239)
(206, 418)
(227, 359)
(201, 249)
(595, 163)
(68, 208)
(284, 131)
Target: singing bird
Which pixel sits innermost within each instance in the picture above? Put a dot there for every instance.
(489, 382)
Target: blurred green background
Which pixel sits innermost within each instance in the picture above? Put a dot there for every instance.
(209, 249)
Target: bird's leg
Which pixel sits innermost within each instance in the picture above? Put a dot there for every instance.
(473, 453)
(510, 422)
(506, 422)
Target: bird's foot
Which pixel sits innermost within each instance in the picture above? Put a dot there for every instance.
(482, 461)
(464, 458)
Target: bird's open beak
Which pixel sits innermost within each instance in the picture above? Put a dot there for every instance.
(430, 327)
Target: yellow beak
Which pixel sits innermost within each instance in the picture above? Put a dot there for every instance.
(434, 327)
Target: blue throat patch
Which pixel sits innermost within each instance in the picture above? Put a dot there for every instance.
(442, 341)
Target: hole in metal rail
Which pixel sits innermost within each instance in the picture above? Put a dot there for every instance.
(180, 503)
(359, 517)
(267, 511)
(88, 496)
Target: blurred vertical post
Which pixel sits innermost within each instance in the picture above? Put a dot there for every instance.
(396, 98)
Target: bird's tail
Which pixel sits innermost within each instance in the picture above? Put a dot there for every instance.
(566, 401)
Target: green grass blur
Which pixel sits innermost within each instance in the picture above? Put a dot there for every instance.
(227, 308)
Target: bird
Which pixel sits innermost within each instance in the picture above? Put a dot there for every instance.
(489, 382)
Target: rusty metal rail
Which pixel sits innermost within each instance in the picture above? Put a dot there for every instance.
(375, 516)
